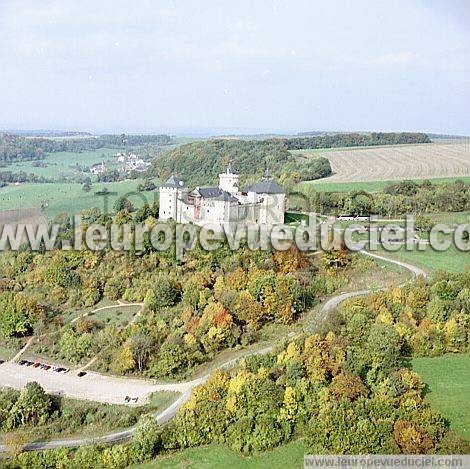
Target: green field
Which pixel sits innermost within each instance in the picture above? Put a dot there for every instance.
(215, 456)
(322, 185)
(452, 260)
(71, 198)
(62, 164)
(448, 387)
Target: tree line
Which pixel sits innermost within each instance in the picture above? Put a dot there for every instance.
(18, 148)
(354, 140)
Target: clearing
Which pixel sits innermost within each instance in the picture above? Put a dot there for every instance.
(452, 260)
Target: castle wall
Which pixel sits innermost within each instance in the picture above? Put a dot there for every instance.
(252, 209)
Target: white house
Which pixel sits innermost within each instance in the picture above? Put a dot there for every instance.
(98, 168)
(226, 205)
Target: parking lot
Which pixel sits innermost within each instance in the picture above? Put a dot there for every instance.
(89, 386)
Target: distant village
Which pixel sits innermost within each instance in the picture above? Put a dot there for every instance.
(128, 163)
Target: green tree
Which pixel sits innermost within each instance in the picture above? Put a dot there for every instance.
(74, 346)
(383, 349)
(162, 293)
(123, 204)
(146, 438)
(17, 314)
(34, 406)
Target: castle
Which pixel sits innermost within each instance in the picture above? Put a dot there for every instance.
(263, 203)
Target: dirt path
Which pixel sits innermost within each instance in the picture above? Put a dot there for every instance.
(23, 350)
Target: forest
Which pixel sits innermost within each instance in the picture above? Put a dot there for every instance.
(354, 140)
(396, 199)
(345, 390)
(210, 302)
(199, 163)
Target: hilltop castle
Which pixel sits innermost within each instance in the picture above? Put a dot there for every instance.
(263, 203)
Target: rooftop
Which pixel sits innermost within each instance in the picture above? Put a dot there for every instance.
(173, 181)
(266, 185)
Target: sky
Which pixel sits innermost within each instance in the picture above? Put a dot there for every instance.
(225, 66)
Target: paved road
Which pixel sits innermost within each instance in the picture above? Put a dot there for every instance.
(184, 388)
(336, 300)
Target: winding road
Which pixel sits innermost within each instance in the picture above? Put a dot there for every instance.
(185, 388)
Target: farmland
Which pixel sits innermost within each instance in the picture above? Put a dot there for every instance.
(423, 161)
(70, 198)
(55, 166)
(18, 216)
(21, 215)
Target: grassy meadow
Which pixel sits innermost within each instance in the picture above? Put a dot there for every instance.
(119, 316)
(62, 164)
(448, 382)
(452, 260)
(70, 198)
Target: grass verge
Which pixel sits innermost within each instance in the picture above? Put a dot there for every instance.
(290, 455)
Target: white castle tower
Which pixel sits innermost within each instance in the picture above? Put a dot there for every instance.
(228, 181)
(170, 194)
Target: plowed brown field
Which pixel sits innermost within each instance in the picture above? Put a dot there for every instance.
(398, 162)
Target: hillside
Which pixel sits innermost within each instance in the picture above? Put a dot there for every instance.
(199, 163)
